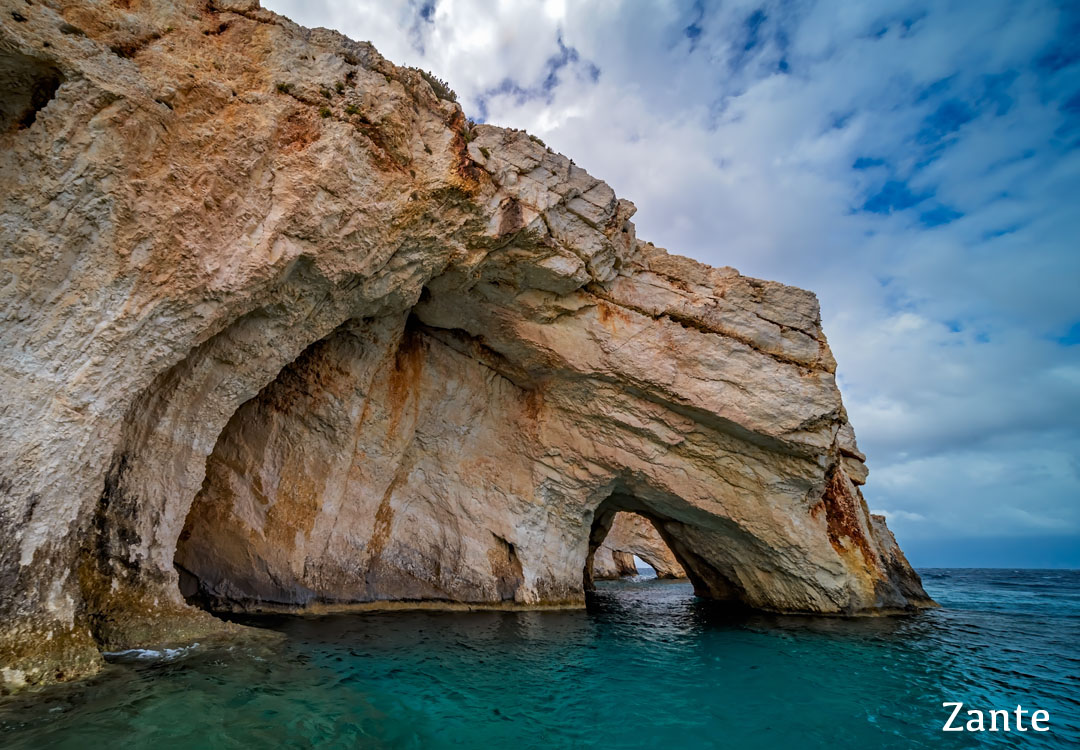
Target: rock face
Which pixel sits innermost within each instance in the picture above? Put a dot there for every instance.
(610, 564)
(631, 535)
(426, 359)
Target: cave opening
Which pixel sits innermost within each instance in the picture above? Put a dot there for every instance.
(234, 531)
(331, 489)
(29, 84)
(386, 464)
(633, 539)
(654, 526)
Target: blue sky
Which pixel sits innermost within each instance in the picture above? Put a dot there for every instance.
(917, 164)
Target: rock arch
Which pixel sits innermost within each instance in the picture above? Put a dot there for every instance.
(190, 227)
(633, 535)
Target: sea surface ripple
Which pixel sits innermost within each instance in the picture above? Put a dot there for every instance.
(646, 665)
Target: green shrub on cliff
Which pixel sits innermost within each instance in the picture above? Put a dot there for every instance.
(439, 86)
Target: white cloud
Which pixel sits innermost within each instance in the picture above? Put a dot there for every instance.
(736, 131)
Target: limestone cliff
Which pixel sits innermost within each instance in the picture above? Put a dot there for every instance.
(259, 273)
(631, 535)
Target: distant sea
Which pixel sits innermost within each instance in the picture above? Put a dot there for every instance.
(647, 665)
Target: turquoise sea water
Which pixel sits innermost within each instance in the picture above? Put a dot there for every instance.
(647, 665)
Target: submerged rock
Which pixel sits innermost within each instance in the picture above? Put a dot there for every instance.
(259, 273)
(631, 535)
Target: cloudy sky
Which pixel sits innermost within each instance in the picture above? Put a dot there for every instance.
(917, 164)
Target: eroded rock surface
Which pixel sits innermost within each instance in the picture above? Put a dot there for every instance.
(611, 564)
(427, 360)
(631, 535)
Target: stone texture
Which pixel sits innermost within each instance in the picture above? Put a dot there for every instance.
(631, 535)
(433, 357)
(610, 564)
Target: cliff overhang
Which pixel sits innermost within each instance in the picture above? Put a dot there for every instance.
(278, 316)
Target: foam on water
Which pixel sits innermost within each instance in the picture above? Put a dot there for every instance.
(163, 654)
(647, 665)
